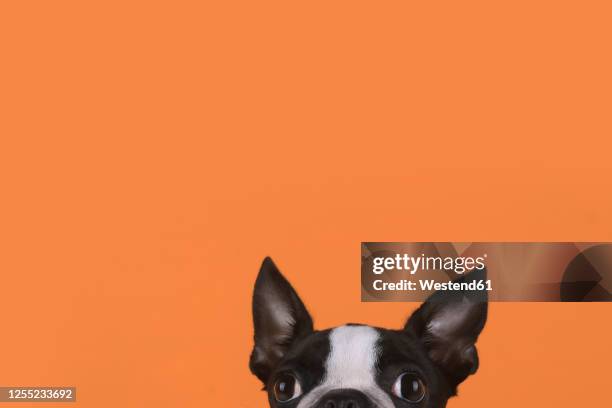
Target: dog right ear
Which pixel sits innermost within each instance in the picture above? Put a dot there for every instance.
(279, 317)
(449, 323)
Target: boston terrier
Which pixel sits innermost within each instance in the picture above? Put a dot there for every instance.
(358, 366)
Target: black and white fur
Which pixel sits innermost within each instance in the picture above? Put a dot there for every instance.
(358, 366)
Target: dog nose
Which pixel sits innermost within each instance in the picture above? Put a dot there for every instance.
(345, 398)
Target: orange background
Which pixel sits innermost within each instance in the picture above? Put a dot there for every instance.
(152, 153)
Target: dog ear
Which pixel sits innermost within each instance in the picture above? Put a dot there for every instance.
(279, 317)
(448, 325)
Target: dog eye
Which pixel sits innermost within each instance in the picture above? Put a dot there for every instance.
(409, 387)
(286, 388)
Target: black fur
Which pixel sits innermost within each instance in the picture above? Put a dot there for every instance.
(306, 360)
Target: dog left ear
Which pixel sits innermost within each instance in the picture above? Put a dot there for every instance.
(280, 318)
(448, 325)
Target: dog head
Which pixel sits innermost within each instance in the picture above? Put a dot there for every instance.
(357, 366)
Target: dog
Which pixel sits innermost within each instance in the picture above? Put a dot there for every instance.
(359, 366)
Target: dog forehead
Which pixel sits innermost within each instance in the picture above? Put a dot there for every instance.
(350, 364)
(339, 354)
(350, 338)
(353, 351)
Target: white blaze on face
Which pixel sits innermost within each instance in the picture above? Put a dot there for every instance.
(351, 364)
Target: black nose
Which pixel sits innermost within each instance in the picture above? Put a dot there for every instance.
(345, 398)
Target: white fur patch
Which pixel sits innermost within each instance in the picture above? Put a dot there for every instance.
(351, 364)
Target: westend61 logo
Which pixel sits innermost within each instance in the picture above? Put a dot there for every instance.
(413, 264)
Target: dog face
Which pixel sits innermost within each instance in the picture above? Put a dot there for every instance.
(357, 366)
